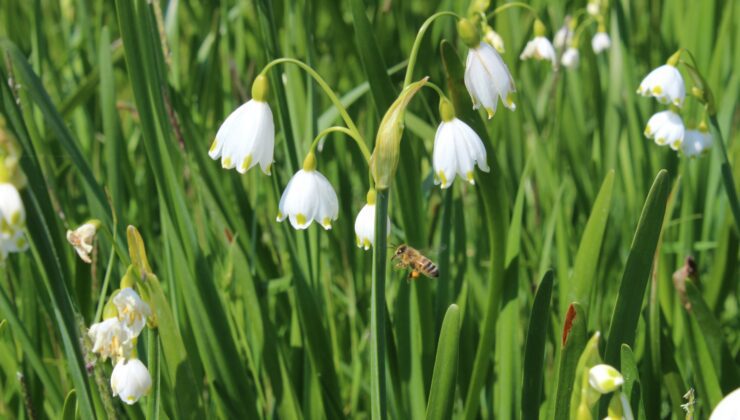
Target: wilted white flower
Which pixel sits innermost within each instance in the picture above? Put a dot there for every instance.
(570, 58)
(564, 35)
(696, 142)
(457, 149)
(132, 310)
(365, 223)
(728, 408)
(246, 138)
(665, 83)
(494, 39)
(487, 78)
(309, 196)
(604, 378)
(130, 380)
(666, 127)
(82, 239)
(601, 42)
(110, 339)
(12, 221)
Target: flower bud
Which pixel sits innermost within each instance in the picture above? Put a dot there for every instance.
(605, 378)
(384, 160)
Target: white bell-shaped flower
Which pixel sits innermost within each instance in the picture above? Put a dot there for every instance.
(111, 340)
(493, 39)
(593, 7)
(82, 239)
(728, 408)
(666, 127)
(487, 79)
(309, 196)
(457, 149)
(247, 136)
(132, 310)
(665, 83)
(570, 58)
(604, 378)
(601, 42)
(539, 48)
(130, 380)
(365, 223)
(12, 221)
(696, 142)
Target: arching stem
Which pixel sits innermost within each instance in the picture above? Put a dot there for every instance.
(511, 5)
(417, 43)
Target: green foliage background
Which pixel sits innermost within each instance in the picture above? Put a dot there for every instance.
(115, 103)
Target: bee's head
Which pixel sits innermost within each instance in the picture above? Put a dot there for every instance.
(400, 250)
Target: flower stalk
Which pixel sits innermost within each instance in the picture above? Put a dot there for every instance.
(377, 307)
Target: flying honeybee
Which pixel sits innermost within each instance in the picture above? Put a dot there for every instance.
(408, 257)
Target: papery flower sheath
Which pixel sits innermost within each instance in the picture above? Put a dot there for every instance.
(82, 239)
(110, 339)
(570, 58)
(309, 196)
(665, 83)
(365, 223)
(666, 127)
(457, 149)
(132, 310)
(247, 136)
(601, 42)
(696, 142)
(130, 380)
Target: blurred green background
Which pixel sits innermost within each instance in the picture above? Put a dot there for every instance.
(115, 103)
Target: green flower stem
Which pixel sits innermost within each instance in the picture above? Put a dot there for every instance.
(106, 280)
(727, 177)
(417, 44)
(324, 86)
(512, 5)
(152, 355)
(579, 29)
(439, 90)
(359, 140)
(377, 308)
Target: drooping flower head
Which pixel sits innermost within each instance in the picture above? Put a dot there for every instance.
(487, 77)
(457, 149)
(604, 378)
(601, 42)
(309, 196)
(564, 35)
(365, 223)
(665, 84)
(666, 128)
(540, 48)
(132, 310)
(12, 221)
(570, 58)
(696, 142)
(82, 239)
(130, 380)
(247, 136)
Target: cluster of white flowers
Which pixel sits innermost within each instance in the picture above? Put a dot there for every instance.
(12, 221)
(666, 85)
(115, 338)
(567, 40)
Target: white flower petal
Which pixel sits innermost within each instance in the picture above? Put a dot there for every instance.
(665, 84)
(666, 128)
(110, 339)
(309, 196)
(132, 310)
(365, 227)
(696, 143)
(540, 48)
(246, 138)
(457, 149)
(487, 79)
(130, 380)
(728, 408)
(601, 42)
(570, 58)
(604, 378)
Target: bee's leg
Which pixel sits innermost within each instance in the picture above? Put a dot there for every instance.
(399, 265)
(413, 275)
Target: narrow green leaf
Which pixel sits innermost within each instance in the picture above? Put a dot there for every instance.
(534, 349)
(631, 386)
(442, 392)
(571, 346)
(69, 412)
(637, 270)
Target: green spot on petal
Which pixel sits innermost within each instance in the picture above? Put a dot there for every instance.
(442, 178)
(657, 90)
(300, 218)
(246, 162)
(326, 222)
(226, 163)
(470, 178)
(213, 146)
